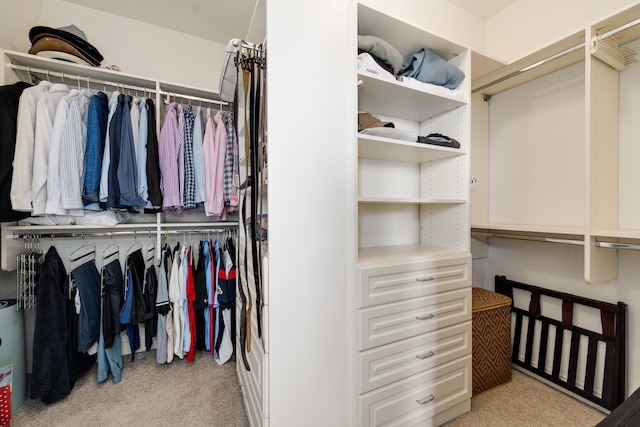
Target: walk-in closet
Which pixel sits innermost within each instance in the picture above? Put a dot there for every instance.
(319, 213)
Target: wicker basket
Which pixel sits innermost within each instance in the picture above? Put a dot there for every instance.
(491, 339)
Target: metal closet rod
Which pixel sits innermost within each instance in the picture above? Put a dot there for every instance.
(141, 233)
(79, 78)
(617, 30)
(531, 238)
(194, 98)
(600, 244)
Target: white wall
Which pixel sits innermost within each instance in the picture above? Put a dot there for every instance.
(440, 17)
(528, 25)
(136, 47)
(16, 18)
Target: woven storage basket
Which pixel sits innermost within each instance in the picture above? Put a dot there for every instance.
(491, 339)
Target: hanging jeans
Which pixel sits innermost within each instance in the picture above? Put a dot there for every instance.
(109, 359)
(87, 281)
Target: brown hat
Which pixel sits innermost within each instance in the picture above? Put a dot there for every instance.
(60, 49)
(74, 38)
(367, 120)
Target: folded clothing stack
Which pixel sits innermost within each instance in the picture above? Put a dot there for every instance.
(67, 43)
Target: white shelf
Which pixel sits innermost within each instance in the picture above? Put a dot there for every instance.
(399, 201)
(403, 253)
(380, 148)
(74, 70)
(396, 99)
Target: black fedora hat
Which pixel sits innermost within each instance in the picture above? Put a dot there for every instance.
(71, 35)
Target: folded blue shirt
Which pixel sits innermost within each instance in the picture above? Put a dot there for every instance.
(428, 67)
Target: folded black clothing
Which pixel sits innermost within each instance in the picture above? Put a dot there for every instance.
(439, 139)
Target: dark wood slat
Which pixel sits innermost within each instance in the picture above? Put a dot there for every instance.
(590, 372)
(557, 352)
(607, 383)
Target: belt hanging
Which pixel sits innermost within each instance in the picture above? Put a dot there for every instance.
(261, 144)
(254, 117)
(246, 76)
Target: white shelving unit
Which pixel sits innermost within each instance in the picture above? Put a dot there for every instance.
(413, 241)
(16, 66)
(577, 179)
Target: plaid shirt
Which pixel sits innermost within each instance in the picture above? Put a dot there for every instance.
(189, 196)
(231, 167)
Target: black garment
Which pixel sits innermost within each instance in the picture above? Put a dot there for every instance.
(50, 373)
(202, 300)
(150, 293)
(87, 283)
(140, 310)
(153, 159)
(113, 199)
(112, 287)
(9, 100)
(439, 139)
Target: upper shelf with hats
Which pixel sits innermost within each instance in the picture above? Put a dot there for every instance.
(18, 66)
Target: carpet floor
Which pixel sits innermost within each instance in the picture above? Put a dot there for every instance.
(181, 393)
(205, 394)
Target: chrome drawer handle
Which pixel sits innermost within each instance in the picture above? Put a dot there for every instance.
(426, 399)
(425, 316)
(425, 279)
(426, 355)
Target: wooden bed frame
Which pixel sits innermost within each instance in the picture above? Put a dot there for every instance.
(614, 324)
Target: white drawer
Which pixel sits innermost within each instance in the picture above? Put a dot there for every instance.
(393, 322)
(415, 400)
(384, 365)
(383, 285)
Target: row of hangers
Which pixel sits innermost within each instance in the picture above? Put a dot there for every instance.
(117, 85)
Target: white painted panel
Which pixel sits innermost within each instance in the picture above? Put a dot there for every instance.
(443, 179)
(629, 145)
(386, 225)
(445, 226)
(378, 178)
(536, 158)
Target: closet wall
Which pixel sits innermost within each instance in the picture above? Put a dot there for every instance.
(528, 25)
(561, 267)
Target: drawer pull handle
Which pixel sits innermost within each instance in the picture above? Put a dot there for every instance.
(426, 399)
(425, 355)
(425, 279)
(425, 316)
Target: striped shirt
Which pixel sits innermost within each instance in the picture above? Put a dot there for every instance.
(168, 151)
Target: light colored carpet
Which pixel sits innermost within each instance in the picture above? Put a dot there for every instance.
(526, 402)
(181, 393)
(205, 394)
